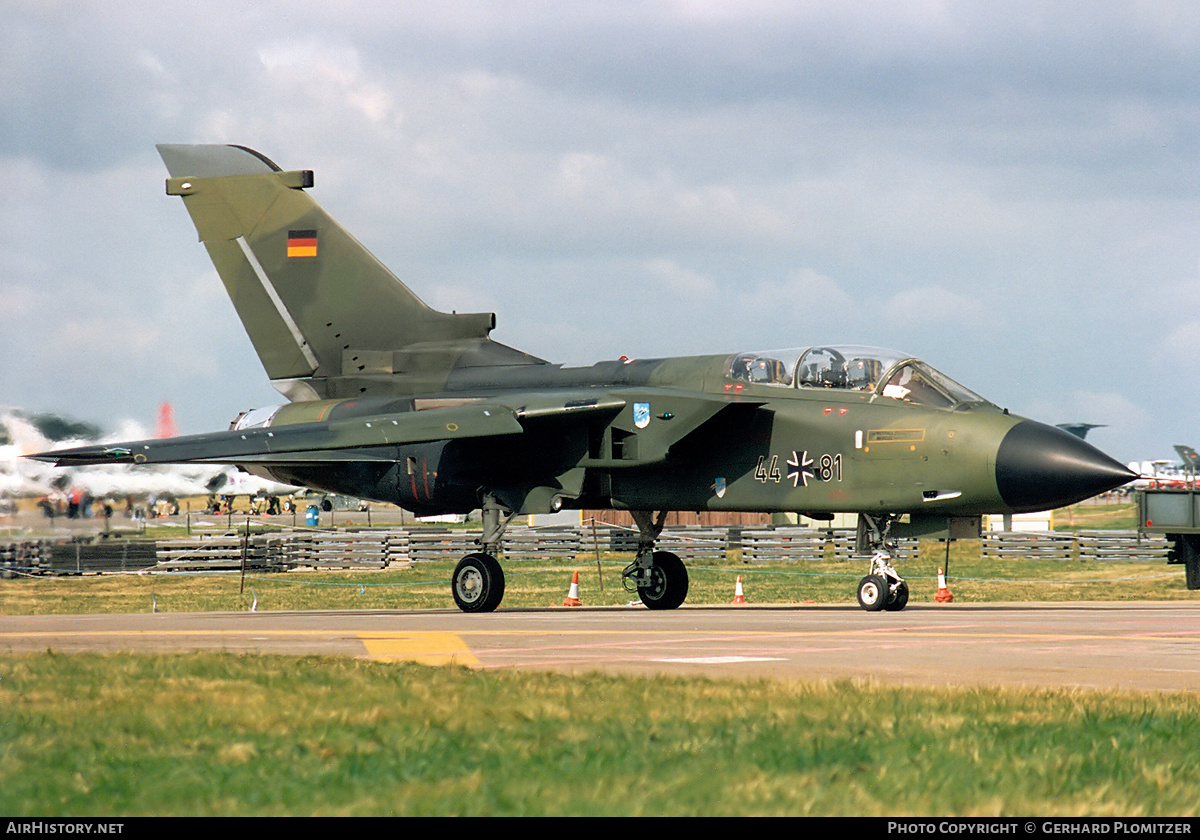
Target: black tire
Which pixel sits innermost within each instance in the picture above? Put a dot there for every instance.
(898, 599)
(872, 593)
(667, 586)
(477, 583)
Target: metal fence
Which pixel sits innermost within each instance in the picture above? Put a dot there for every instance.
(280, 550)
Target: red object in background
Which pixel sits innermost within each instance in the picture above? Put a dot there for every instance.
(166, 422)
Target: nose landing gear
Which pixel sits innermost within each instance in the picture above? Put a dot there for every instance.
(882, 588)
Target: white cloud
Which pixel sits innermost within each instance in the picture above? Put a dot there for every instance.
(1119, 415)
(1181, 345)
(680, 280)
(934, 305)
(314, 75)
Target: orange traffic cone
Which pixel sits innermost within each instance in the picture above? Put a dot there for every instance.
(943, 595)
(573, 593)
(738, 597)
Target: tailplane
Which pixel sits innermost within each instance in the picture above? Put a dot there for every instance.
(326, 318)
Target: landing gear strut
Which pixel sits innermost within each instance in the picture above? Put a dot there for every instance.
(660, 577)
(478, 581)
(882, 588)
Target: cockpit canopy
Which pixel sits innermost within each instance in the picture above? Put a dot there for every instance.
(882, 373)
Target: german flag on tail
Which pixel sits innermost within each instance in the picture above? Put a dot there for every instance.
(302, 243)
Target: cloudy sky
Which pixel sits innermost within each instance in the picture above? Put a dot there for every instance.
(1009, 190)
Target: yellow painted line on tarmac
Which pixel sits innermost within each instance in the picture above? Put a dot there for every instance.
(424, 647)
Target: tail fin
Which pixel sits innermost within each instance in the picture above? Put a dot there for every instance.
(325, 316)
(1191, 460)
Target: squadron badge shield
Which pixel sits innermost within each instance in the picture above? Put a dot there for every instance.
(641, 415)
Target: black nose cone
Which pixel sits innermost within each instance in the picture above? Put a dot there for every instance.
(1039, 467)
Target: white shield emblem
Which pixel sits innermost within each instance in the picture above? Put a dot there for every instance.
(641, 415)
(719, 484)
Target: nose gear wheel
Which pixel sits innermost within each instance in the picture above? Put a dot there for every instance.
(882, 588)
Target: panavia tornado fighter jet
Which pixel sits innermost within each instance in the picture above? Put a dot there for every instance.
(393, 401)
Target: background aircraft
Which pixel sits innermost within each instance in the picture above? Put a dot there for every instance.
(394, 401)
(1191, 458)
(1162, 473)
(1080, 430)
(23, 434)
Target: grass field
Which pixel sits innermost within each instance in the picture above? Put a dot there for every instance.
(1110, 516)
(253, 735)
(223, 734)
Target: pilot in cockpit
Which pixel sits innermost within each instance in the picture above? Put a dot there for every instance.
(859, 375)
(908, 384)
(742, 368)
(897, 386)
(758, 369)
(834, 376)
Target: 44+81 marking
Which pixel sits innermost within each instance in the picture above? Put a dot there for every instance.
(800, 468)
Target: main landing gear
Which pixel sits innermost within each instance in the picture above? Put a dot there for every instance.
(882, 588)
(478, 581)
(660, 578)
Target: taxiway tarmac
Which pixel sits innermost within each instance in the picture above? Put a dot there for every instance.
(1129, 646)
